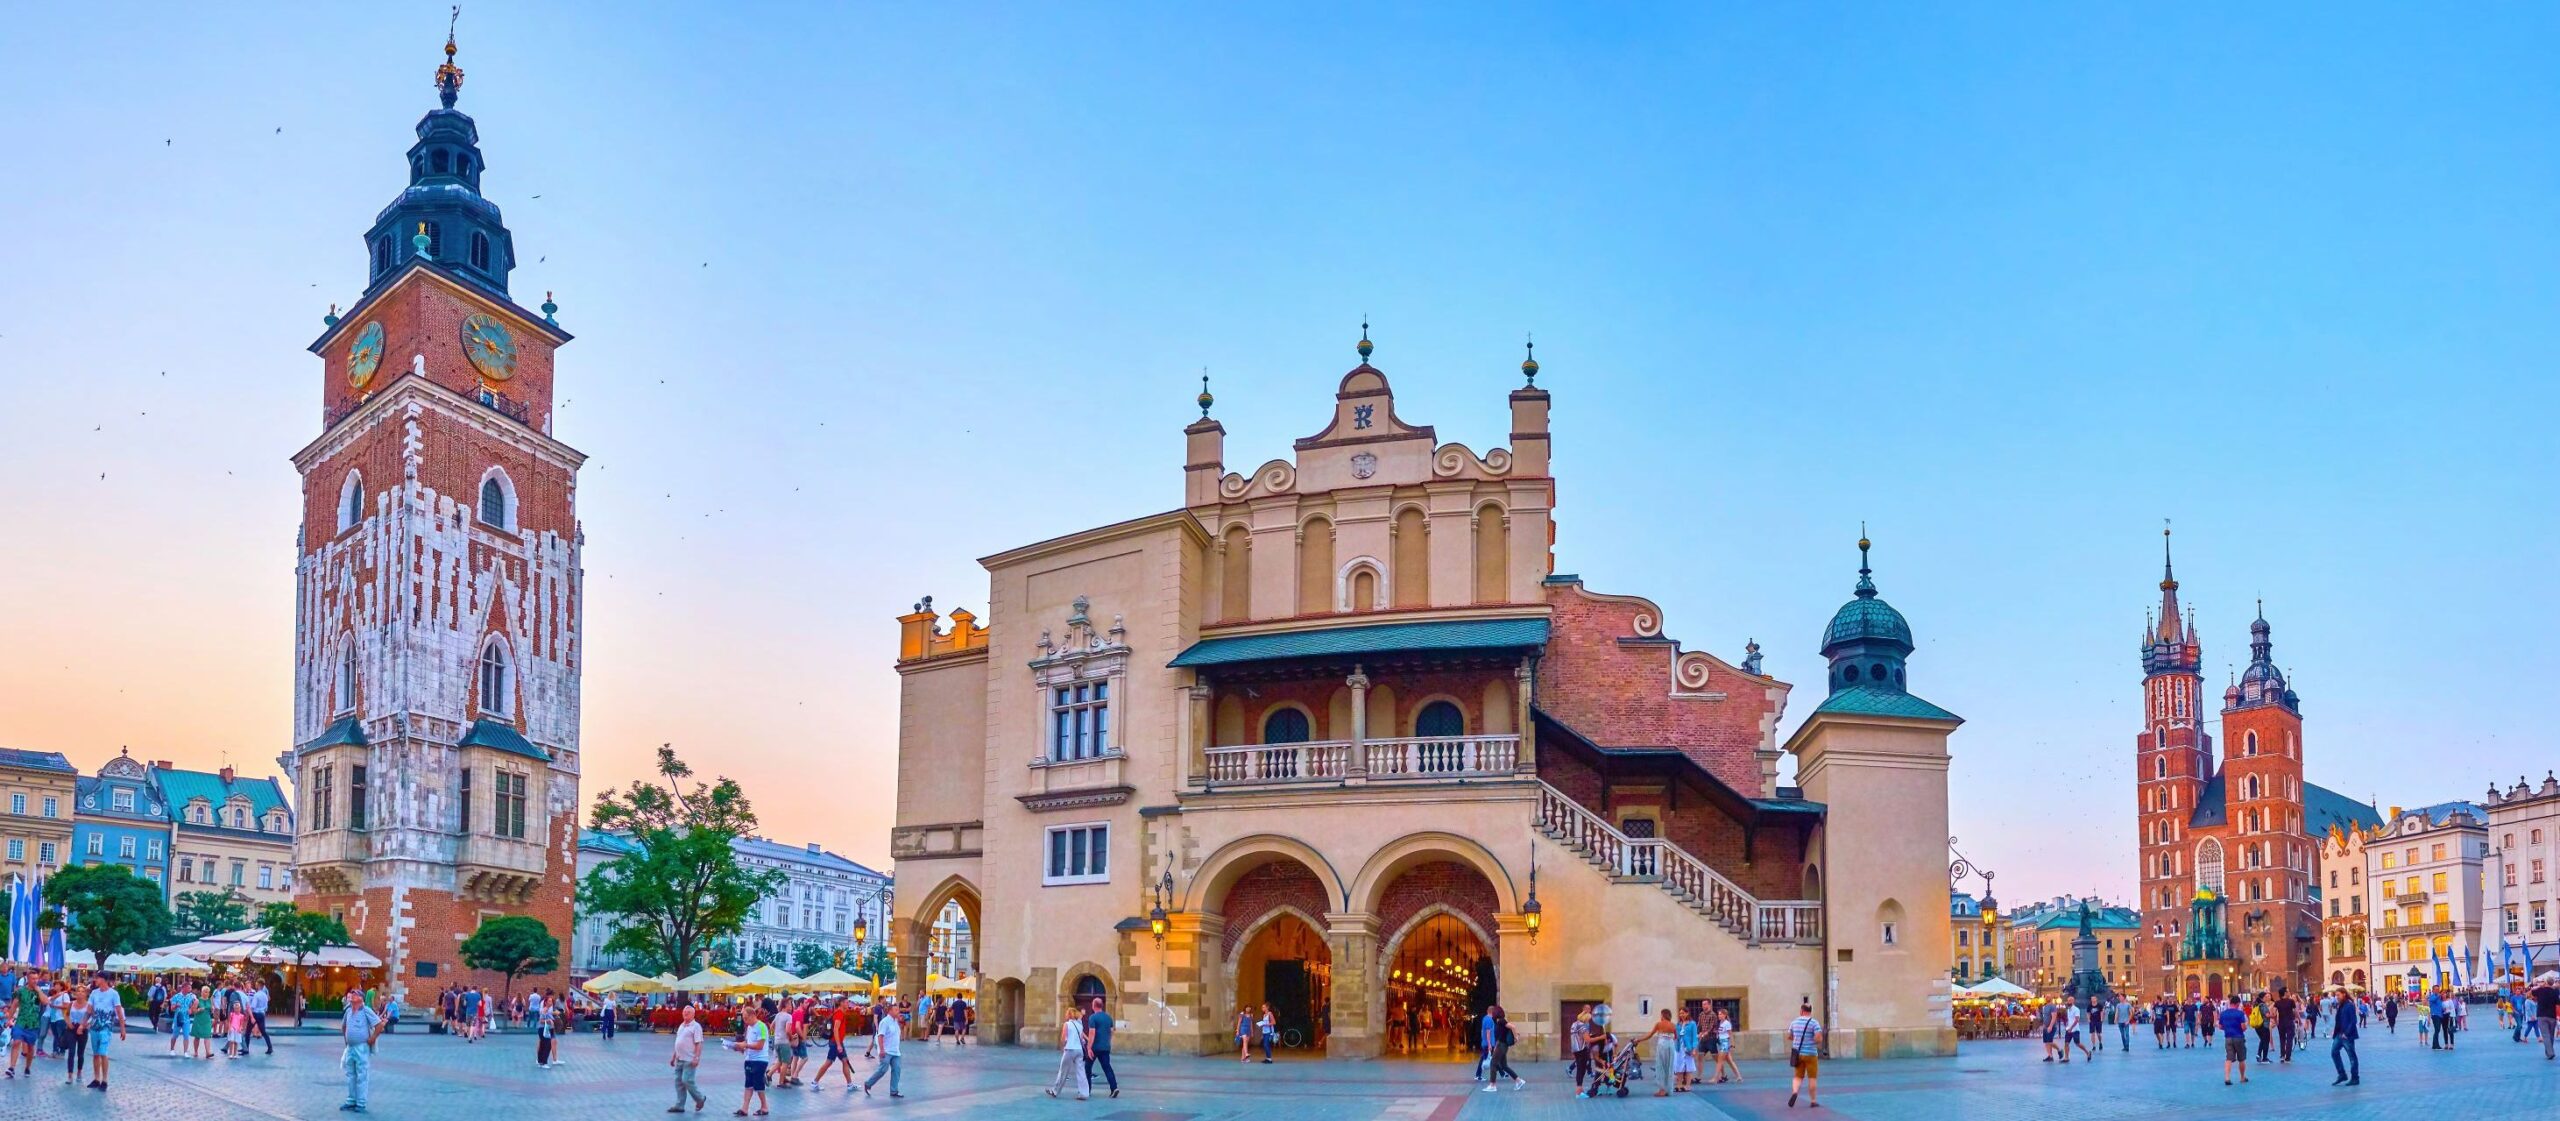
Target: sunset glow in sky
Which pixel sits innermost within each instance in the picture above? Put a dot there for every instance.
(864, 294)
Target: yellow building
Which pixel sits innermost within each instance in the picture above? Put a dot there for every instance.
(2045, 933)
(1335, 736)
(1981, 939)
(230, 833)
(37, 791)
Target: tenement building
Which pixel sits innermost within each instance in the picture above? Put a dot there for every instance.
(229, 834)
(2228, 844)
(35, 835)
(121, 819)
(1334, 735)
(2424, 868)
(2523, 894)
(436, 625)
(824, 913)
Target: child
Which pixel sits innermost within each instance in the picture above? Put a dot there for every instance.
(237, 1046)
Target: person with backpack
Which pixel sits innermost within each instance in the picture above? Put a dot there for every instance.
(1804, 1055)
(1503, 1040)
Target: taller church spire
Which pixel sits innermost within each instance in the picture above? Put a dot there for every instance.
(2169, 643)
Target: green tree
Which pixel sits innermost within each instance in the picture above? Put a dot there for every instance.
(880, 965)
(200, 913)
(302, 934)
(112, 911)
(810, 957)
(682, 888)
(512, 944)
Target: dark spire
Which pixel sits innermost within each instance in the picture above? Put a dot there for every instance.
(463, 230)
(1365, 345)
(1205, 399)
(2169, 619)
(1529, 365)
(1866, 576)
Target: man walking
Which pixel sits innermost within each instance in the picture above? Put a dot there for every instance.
(2235, 1039)
(106, 1024)
(1804, 1051)
(686, 1060)
(363, 1025)
(2344, 1027)
(1098, 1025)
(885, 1033)
(2391, 1014)
(2545, 1001)
(258, 998)
(2285, 1011)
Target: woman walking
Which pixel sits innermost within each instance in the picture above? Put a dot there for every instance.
(1684, 1062)
(1270, 1026)
(200, 1028)
(1503, 1039)
(1663, 1039)
(1075, 1047)
(1724, 1048)
(1244, 1034)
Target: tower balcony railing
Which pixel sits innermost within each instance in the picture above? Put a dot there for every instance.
(1418, 758)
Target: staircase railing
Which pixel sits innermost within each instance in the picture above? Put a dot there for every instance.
(1652, 858)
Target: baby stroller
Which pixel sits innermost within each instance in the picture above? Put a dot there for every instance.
(1615, 1067)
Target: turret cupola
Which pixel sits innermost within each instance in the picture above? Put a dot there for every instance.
(2262, 683)
(1868, 640)
(442, 215)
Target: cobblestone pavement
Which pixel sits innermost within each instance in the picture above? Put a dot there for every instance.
(427, 1077)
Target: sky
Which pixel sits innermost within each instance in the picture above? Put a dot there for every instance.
(864, 293)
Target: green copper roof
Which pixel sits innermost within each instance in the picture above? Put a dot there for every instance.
(1867, 700)
(179, 787)
(502, 737)
(1867, 618)
(1391, 638)
(343, 730)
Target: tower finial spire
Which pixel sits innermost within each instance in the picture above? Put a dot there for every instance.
(1365, 345)
(449, 76)
(1205, 399)
(2168, 569)
(1866, 575)
(1529, 365)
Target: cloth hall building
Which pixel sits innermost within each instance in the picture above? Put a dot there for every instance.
(1335, 736)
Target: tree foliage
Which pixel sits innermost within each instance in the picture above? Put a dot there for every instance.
(810, 957)
(302, 934)
(112, 911)
(682, 888)
(200, 913)
(512, 944)
(880, 965)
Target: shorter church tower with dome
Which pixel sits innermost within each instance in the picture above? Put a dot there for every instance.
(1337, 736)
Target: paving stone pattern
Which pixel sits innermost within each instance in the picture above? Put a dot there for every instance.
(439, 1079)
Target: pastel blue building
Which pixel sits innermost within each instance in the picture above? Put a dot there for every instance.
(121, 818)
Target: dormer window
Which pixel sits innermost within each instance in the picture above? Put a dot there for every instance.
(122, 800)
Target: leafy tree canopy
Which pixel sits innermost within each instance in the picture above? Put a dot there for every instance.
(682, 887)
(880, 965)
(810, 957)
(512, 944)
(302, 934)
(200, 913)
(112, 911)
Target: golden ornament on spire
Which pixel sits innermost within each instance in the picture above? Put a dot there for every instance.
(449, 76)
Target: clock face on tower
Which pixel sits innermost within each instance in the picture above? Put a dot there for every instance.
(364, 356)
(491, 349)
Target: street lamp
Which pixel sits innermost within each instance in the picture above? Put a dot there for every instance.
(1532, 913)
(1156, 919)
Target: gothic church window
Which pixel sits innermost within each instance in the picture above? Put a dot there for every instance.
(347, 678)
(351, 501)
(497, 499)
(497, 679)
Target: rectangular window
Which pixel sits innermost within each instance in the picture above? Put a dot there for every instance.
(45, 853)
(2443, 912)
(2390, 860)
(52, 807)
(151, 874)
(2435, 852)
(2439, 881)
(356, 815)
(464, 802)
(124, 847)
(17, 850)
(1080, 721)
(782, 915)
(511, 805)
(154, 851)
(267, 876)
(2537, 869)
(321, 778)
(1078, 854)
(123, 801)
(98, 844)
(239, 873)
(2540, 921)
(18, 804)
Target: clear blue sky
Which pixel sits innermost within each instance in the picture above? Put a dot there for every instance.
(865, 294)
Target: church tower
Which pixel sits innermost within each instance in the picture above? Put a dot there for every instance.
(2173, 759)
(2272, 923)
(438, 587)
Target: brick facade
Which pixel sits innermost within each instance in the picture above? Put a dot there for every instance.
(1459, 887)
(1610, 674)
(1265, 889)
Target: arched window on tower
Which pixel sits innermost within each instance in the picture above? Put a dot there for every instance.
(437, 161)
(497, 679)
(382, 255)
(2159, 766)
(2249, 744)
(462, 164)
(497, 499)
(2209, 865)
(435, 240)
(347, 678)
(1493, 554)
(479, 250)
(350, 501)
(1315, 566)
(2257, 789)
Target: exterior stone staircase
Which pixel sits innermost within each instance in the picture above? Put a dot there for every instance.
(1684, 877)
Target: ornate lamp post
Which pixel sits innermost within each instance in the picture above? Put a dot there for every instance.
(1156, 918)
(1532, 913)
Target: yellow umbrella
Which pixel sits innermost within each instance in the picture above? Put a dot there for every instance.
(828, 981)
(712, 980)
(937, 983)
(764, 979)
(624, 981)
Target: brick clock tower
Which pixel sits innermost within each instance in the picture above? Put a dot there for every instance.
(438, 588)
(2173, 758)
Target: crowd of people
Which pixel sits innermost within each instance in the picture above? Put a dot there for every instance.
(2271, 1027)
(1683, 1048)
(54, 1015)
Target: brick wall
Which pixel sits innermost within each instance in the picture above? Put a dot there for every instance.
(1265, 889)
(1616, 686)
(1776, 867)
(1460, 886)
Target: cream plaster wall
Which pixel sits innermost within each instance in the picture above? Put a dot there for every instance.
(1882, 852)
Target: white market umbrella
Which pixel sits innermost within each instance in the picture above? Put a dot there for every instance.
(764, 979)
(829, 981)
(1997, 986)
(712, 980)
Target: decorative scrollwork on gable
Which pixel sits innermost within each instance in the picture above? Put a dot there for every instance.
(1690, 674)
(1455, 461)
(1275, 477)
